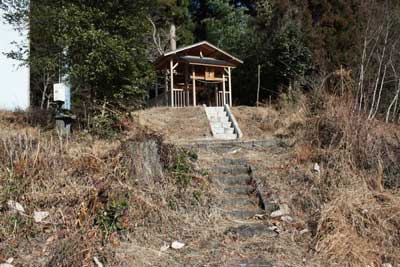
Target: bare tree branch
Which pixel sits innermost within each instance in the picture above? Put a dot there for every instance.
(156, 40)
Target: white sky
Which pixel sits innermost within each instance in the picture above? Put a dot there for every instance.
(14, 80)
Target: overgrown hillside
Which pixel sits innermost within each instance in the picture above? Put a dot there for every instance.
(65, 201)
(351, 198)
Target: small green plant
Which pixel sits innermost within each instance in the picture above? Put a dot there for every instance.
(193, 155)
(110, 218)
(106, 125)
(183, 170)
(172, 204)
(198, 196)
(13, 188)
(18, 225)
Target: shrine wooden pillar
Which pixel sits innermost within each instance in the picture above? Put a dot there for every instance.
(223, 89)
(194, 85)
(230, 86)
(171, 69)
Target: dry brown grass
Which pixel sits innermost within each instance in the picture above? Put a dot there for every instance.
(257, 122)
(352, 208)
(360, 228)
(175, 124)
(263, 122)
(353, 205)
(188, 124)
(92, 191)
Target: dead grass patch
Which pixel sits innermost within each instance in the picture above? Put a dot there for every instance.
(175, 124)
(360, 228)
(257, 122)
(353, 212)
(93, 192)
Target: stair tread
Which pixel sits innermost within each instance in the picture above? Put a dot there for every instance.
(229, 170)
(232, 180)
(238, 190)
(220, 123)
(254, 229)
(225, 136)
(243, 214)
(239, 202)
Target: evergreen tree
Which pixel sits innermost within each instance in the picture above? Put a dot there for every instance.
(106, 48)
(101, 45)
(231, 27)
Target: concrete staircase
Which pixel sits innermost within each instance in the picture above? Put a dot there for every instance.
(234, 182)
(240, 205)
(221, 125)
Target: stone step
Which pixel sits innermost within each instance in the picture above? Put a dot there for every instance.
(229, 130)
(238, 190)
(222, 146)
(210, 109)
(257, 262)
(219, 124)
(230, 170)
(217, 113)
(243, 214)
(218, 119)
(234, 161)
(225, 136)
(235, 202)
(233, 180)
(251, 230)
(219, 130)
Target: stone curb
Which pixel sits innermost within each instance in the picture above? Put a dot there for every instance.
(259, 186)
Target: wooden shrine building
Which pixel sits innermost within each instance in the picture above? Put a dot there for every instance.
(194, 75)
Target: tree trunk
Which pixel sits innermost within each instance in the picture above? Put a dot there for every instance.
(46, 81)
(380, 92)
(396, 97)
(371, 112)
(172, 36)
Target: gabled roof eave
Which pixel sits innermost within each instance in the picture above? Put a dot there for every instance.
(199, 44)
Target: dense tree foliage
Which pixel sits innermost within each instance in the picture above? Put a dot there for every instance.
(106, 47)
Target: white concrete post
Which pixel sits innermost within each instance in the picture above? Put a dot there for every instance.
(171, 63)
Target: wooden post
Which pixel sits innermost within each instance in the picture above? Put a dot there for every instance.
(223, 89)
(166, 88)
(259, 85)
(171, 64)
(216, 95)
(194, 86)
(186, 91)
(230, 87)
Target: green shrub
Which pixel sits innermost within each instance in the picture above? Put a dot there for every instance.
(110, 218)
(182, 169)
